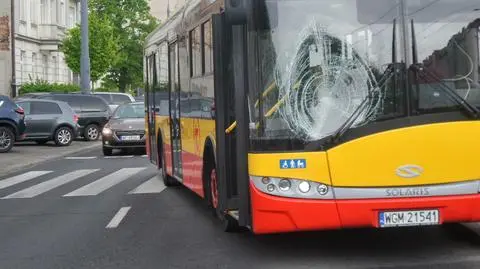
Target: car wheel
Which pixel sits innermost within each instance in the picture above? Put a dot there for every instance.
(107, 151)
(7, 139)
(92, 132)
(63, 136)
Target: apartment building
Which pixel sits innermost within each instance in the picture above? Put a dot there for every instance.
(40, 26)
(162, 9)
(5, 48)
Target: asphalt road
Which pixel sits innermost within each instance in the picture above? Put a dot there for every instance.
(87, 211)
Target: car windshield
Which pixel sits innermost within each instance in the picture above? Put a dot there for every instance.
(320, 59)
(130, 111)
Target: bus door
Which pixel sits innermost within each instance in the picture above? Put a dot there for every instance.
(230, 200)
(151, 109)
(175, 120)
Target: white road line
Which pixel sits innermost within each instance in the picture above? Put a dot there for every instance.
(105, 183)
(21, 178)
(119, 157)
(80, 158)
(50, 184)
(144, 156)
(153, 185)
(118, 217)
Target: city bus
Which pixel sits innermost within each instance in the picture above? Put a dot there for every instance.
(287, 116)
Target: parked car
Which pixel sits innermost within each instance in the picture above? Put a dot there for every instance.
(93, 112)
(114, 99)
(12, 123)
(32, 95)
(49, 120)
(126, 129)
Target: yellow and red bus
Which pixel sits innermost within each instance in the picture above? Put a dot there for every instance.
(309, 115)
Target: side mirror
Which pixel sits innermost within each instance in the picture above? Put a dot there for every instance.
(267, 16)
(236, 11)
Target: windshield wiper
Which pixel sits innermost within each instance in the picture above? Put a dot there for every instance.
(390, 71)
(420, 69)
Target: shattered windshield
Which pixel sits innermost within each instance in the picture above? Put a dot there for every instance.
(320, 60)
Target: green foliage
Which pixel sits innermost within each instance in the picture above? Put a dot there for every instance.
(132, 23)
(103, 46)
(44, 86)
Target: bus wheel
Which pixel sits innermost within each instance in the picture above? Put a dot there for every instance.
(230, 224)
(214, 188)
(167, 180)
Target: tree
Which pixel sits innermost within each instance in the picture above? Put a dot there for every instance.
(132, 23)
(103, 47)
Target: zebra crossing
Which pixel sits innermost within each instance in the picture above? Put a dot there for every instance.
(101, 183)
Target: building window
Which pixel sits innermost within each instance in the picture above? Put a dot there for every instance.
(62, 12)
(55, 68)
(34, 12)
(207, 47)
(23, 5)
(71, 17)
(43, 11)
(23, 54)
(34, 65)
(195, 48)
(45, 67)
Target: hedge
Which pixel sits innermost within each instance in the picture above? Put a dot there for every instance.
(44, 86)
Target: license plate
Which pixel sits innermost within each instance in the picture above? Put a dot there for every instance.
(130, 137)
(409, 218)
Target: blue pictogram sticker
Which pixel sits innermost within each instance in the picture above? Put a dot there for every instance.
(293, 164)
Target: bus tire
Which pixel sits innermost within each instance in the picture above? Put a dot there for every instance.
(229, 224)
(210, 182)
(168, 181)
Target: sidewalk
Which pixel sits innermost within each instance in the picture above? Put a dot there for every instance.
(27, 154)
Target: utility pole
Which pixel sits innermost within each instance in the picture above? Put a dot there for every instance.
(85, 57)
(12, 34)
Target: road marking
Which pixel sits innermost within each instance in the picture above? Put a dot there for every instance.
(50, 184)
(119, 157)
(80, 158)
(144, 156)
(21, 178)
(105, 182)
(118, 217)
(153, 185)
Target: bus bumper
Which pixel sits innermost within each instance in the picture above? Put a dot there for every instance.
(272, 214)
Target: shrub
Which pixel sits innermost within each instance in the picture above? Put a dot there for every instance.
(45, 86)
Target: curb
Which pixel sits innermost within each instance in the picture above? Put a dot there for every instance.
(57, 157)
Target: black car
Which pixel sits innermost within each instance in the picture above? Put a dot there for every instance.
(12, 123)
(93, 112)
(49, 120)
(126, 129)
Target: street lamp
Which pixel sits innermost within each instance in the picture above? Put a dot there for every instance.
(85, 55)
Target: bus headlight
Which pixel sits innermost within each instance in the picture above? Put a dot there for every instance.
(293, 188)
(304, 186)
(270, 187)
(284, 185)
(322, 189)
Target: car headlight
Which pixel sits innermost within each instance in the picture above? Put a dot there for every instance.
(106, 131)
(294, 188)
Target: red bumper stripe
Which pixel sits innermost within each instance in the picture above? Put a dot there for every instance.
(271, 214)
